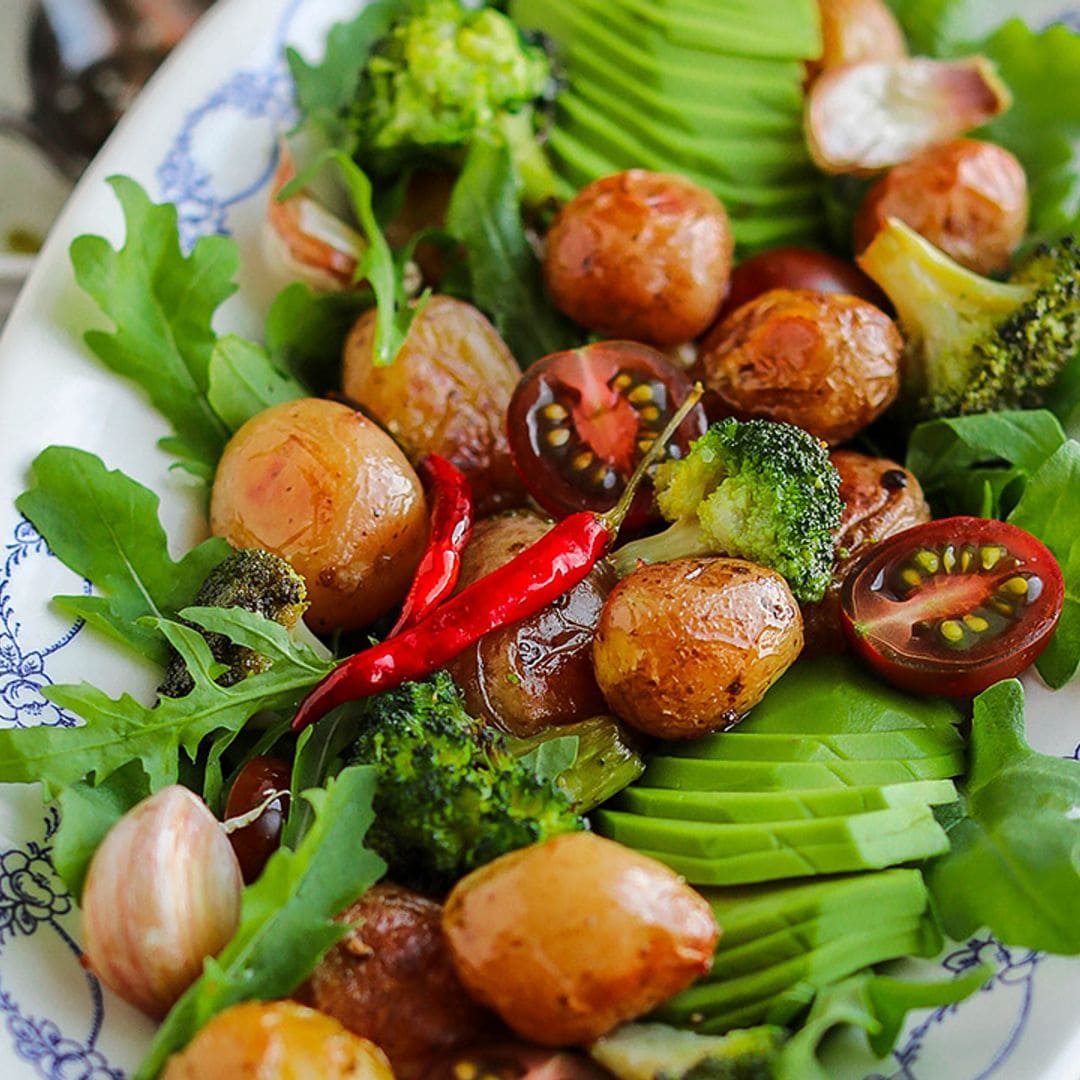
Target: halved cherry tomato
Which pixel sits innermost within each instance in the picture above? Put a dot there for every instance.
(797, 268)
(580, 420)
(954, 605)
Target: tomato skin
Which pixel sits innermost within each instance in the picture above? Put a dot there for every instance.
(872, 619)
(797, 268)
(255, 843)
(607, 397)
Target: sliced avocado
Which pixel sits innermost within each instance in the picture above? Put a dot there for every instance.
(836, 694)
(742, 807)
(898, 837)
(660, 1052)
(718, 841)
(748, 912)
(712, 999)
(903, 744)
(686, 774)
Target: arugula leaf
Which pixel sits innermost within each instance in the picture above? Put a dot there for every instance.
(485, 216)
(325, 90)
(1050, 510)
(876, 1003)
(979, 464)
(243, 381)
(122, 730)
(117, 542)
(287, 920)
(87, 813)
(161, 303)
(306, 331)
(1012, 866)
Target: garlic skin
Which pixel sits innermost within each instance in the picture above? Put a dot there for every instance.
(162, 893)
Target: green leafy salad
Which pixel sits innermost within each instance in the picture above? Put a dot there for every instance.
(469, 755)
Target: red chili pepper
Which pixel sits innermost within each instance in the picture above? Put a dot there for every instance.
(451, 527)
(558, 561)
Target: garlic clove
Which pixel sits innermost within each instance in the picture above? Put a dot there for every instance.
(868, 116)
(162, 894)
(856, 30)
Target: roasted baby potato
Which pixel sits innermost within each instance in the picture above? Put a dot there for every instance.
(829, 363)
(446, 392)
(567, 939)
(640, 255)
(967, 197)
(393, 982)
(880, 498)
(323, 487)
(689, 646)
(277, 1040)
(536, 672)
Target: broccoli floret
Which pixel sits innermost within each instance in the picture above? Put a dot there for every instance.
(973, 344)
(256, 581)
(753, 489)
(659, 1052)
(445, 75)
(450, 795)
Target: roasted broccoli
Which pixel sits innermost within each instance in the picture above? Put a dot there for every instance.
(659, 1052)
(444, 75)
(973, 344)
(255, 581)
(450, 796)
(753, 489)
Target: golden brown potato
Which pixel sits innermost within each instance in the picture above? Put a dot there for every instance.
(689, 646)
(880, 498)
(827, 362)
(968, 197)
(321, 486)
(640, 255)
(536, 672)
(856, 30)
(277, 1040)
(393, 982)
(569, 938)
(446, 393)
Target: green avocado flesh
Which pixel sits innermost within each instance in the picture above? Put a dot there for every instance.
(744, 807)
(713, 91)
(881, 745)
(688, 774)
(712, 1003)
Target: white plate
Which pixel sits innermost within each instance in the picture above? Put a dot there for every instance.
(202, 135)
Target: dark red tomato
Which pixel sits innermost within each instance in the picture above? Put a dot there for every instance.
(797, 268)
(514, 1061)
(954, 605)
(580, 420)
(255, 843)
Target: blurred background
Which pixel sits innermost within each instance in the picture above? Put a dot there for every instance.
(68, 69)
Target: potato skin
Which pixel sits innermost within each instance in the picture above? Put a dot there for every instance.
(827, 362)
(392, 981)
(567, 939)
(640, 255)
(689, 646)
(968, 197)
(445, 393)
(538, 671)
(279, 1039)
(323, 487)
(880, 498)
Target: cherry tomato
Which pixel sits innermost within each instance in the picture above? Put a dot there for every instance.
(797, 268)
(255, 843)
(952, 606)
(514, 1061)
(580, 420)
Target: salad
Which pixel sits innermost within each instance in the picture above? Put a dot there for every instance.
(588, 647)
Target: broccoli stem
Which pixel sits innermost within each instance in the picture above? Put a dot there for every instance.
(540, 183)
(685, 539)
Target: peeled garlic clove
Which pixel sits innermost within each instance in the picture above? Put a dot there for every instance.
(306, 239)
(161, 895)
(869, 116)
